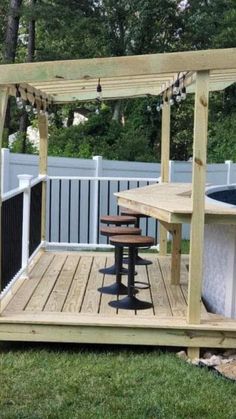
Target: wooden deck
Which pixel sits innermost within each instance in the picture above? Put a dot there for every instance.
(60, 302)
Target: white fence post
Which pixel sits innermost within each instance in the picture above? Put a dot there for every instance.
(171, 170)
(25, 182)
(229, 164)
(98, 173)
(5, 185)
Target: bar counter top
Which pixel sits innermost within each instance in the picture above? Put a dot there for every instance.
(172, 203)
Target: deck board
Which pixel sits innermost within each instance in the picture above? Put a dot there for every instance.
(159, 296)
(68, 282)
(144, 294)
(45, 286)
(62, 285)
(78, 286)
(92, 298)
(174, 292)
(105, 309)
(21, 298)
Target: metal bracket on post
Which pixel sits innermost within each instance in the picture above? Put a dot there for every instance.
(25, 182)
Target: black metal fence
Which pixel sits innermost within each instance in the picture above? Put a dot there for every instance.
(35, 217)
(75, 206)
(12, 228)
(11, 251)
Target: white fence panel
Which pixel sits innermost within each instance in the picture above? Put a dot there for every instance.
(217, 174)
(83, 224)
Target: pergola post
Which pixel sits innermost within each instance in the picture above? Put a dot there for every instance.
(165, 157)
(3, 107)
(198, 197)
(43, 163)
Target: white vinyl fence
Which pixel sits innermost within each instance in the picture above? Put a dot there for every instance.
(82, 189)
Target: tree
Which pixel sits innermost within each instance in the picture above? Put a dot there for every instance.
(24, 119)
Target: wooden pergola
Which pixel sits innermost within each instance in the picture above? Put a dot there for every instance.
(61, 82)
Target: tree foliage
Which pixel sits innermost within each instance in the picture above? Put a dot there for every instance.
(92, 28)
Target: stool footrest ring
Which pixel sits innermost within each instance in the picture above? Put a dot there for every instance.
(139, 285)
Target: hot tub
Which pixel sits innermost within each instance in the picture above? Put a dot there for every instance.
(219, 274)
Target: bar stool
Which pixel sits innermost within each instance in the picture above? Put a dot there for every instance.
(118, 220)
(130, 302)
(138, 216)
(117, 287)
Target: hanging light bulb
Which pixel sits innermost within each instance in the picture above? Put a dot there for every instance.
(99, 90)
(158, 108)
(46, 109)
(171, 101)
(35, 109)
(19, 100)
(178, 98)
(183, 90)
(149, 108)
(183, 93)
(97, 111)
(166, 98)
(41, 107)
(28, 106)
(176, 87)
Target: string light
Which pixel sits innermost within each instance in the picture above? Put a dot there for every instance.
(99, 90)
(176, 87)
(35, 109)
(19, 100)
(28, 106)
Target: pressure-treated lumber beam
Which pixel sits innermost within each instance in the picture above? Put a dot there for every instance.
(198, 197)
(214, 86)
(109, 94)
(43, 158)
(165, 156)
(119, 66)
(3, 107)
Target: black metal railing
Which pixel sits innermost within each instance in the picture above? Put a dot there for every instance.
(35, 217)
(11, 252)
(75, 206)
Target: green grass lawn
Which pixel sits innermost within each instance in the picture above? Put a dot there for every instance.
(53, 381)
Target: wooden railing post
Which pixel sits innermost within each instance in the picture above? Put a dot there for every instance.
(3, 107)
(165, 156)
(43, 164)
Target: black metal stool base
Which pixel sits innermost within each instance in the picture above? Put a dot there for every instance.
(112, 270)
(130, 303)
(114, 289)
(138, 261)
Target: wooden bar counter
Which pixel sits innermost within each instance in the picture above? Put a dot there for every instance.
(171, 204)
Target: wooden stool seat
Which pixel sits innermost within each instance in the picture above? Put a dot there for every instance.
(132, 241)
(131, 302)
(115, 231)
(138, 215)
(117, 220)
